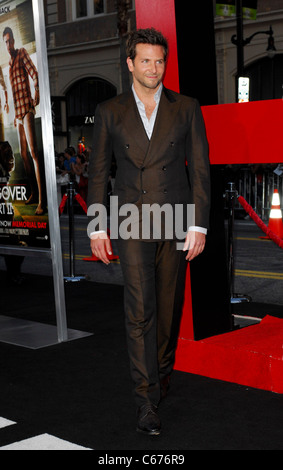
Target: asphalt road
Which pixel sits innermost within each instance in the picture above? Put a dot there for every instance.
(258, 264)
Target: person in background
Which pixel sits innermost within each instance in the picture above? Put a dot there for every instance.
(79, 168)
(70, 158)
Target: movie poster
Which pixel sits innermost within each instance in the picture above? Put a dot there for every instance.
(23, 196)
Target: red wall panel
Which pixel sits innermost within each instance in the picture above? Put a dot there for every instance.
(244, 133)
(161, 16)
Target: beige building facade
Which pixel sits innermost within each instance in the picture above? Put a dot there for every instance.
(266, 74)
(84, 57)
(83, 46)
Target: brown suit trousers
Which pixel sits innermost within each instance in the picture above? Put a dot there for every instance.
(154, 274)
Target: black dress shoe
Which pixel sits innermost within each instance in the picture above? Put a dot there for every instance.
(164, 386)
(148, 420)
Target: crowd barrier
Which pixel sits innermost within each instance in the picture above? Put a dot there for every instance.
(68, 198)
(71, 192)
(256, 184)
(270, 234)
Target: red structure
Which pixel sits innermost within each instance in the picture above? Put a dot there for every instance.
(237, 133)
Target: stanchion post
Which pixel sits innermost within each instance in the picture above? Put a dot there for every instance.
(71, 193)
(231, 194)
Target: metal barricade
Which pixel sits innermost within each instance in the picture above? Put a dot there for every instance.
(256, 185)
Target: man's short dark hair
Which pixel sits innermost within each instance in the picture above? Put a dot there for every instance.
(8, 30)
(145, 36)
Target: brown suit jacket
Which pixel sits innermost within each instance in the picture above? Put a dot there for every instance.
(170, 168)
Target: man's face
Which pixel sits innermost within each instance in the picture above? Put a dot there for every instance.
(9, 43)
(148, 67)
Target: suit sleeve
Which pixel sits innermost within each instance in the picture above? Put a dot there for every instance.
(199, 168)
(99, 170)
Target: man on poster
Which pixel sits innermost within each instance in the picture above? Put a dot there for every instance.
(21, 68)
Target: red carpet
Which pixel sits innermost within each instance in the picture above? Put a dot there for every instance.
(251, 356)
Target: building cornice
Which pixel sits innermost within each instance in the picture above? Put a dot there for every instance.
(229, 23)
(84, 46)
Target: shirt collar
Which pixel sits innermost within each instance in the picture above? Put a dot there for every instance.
(157, 95)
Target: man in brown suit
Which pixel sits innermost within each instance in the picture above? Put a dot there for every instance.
(159, 142)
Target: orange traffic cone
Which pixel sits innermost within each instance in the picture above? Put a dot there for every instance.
(275, 223)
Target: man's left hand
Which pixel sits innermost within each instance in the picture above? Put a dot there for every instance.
(194, 243)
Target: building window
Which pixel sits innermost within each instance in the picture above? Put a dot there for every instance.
(98, 6)
(81, 8)
(87, 8)
(52, 11)
(266, 78)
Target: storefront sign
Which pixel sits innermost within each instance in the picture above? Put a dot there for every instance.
(89, 119)
(227, 8)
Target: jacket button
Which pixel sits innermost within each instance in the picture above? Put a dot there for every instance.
(144, 191)
(172, 144)
(142, 168)
(165, 191)
(127, 146)
(164, 168)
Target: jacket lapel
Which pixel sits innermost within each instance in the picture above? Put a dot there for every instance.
(164, 123)
(167, 110)
(132, 121)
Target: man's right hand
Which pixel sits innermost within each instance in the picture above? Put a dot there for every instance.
(101, 246)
